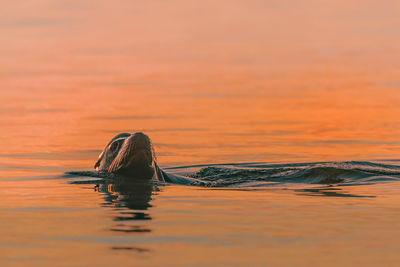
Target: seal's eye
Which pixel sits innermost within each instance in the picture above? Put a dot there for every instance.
(114, 146)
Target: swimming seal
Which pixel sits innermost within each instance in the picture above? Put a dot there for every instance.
(133, 156)
(130, 155)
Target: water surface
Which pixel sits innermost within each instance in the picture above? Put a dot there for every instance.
(293, 108)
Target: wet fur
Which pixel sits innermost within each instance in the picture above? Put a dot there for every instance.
(135, 157)
(110, 151)
(130, 155)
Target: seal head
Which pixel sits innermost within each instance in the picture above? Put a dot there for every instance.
(135, 157)
(110, 151)
(130, 155)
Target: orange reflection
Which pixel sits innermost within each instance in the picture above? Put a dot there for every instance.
(318, 87)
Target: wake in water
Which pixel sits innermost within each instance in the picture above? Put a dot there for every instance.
(343, 173)
(258, 174)
(133, 156)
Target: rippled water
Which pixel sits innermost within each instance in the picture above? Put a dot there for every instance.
(288, 112)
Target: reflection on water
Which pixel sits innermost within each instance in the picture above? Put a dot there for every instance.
(327, 192)
(121, 221)
(240, 88)
(131, 198)
(123, 192)
(211, 82)
(132, 248)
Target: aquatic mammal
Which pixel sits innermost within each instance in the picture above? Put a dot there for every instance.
(130, 155)
(133, 156)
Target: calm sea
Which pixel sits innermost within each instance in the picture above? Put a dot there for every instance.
(292, 108)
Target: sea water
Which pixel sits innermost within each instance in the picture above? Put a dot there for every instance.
(288, 110)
